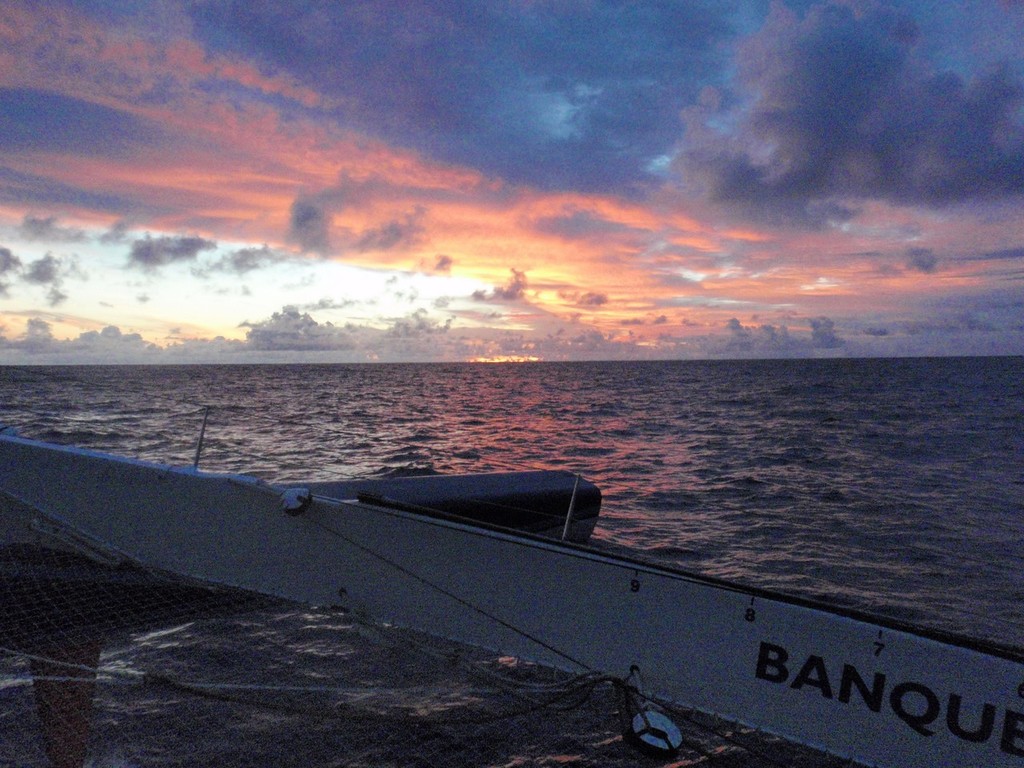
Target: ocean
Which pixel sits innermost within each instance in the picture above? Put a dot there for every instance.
(891, 486)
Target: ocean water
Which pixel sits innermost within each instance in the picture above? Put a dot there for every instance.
(892, 486)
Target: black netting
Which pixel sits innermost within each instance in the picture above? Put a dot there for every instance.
(114, 667)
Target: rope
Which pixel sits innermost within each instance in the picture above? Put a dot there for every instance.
(239, 692)
(461, 601)
(215, 690)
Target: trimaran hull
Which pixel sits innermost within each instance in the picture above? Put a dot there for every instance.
(858, 687)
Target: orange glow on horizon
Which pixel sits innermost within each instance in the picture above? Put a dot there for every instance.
(506, 359)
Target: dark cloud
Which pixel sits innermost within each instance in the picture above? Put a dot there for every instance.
(9, 265)
(581, 95)
(107, 345)
(575, 225)
(584, 299)
(50, 271)
(922, 260)
(312, 227)
(43, 271)
(514, 291)
(38, 337)
(775, 340)
(823, 334)
(291, 329)
(247, 259)
(117, 233)
(394, 234)
(242, 261)
(591, 299)
(151, 253)
(326, 303)
(416, 325)
(1005, 254)
(309, 226)
(42, 121)
(742, 337)
(843, 109)
(111, 334)
(951, 324)
(8, 261)
(38, 334)
(39, 228)
(444, 263)
(55, 296)
(23, 188)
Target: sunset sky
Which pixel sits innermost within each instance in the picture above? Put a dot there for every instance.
(256, 181)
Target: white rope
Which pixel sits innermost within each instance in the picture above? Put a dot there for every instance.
(447, 593)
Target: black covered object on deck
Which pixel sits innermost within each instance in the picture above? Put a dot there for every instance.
(535, 502)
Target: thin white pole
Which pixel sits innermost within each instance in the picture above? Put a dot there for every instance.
(572, 508)
(202, 433)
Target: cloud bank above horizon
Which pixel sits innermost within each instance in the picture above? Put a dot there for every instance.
(380, 181)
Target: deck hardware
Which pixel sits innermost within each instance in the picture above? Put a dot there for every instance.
(295, 501)
(650, 730)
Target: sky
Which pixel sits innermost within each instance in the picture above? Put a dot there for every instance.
(214, 182)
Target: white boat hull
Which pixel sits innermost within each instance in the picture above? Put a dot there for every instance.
(857, 687)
